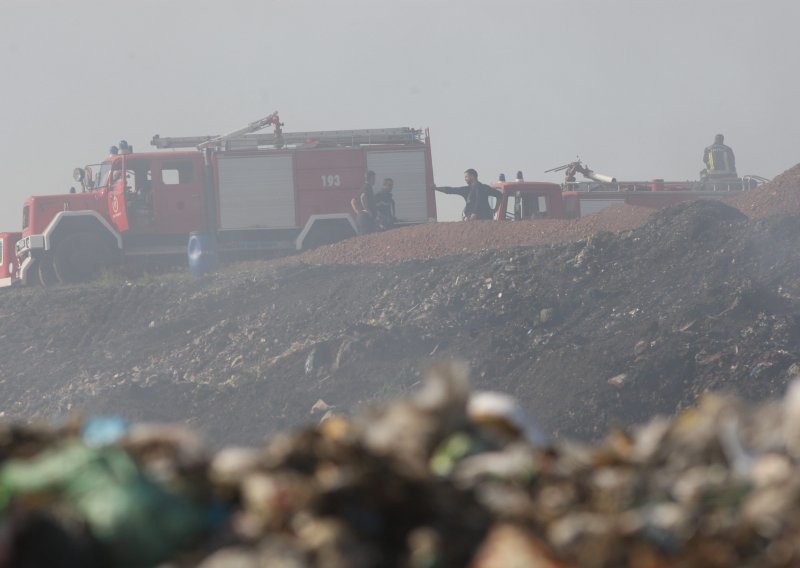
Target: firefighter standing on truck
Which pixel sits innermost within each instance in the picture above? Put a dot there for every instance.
(476, 195)
(719, 160)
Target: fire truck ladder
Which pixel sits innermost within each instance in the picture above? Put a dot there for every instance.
(243, 139)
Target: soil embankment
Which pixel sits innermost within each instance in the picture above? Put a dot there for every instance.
(608, 319)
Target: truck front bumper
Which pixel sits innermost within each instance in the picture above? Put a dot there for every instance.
(26, 245)
(26, 249)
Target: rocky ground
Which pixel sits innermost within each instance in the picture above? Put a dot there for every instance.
(586, 326)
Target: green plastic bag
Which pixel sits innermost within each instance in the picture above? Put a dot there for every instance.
(139, 522)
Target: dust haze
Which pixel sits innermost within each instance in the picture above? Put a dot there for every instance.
(587, 325)
(636, 89)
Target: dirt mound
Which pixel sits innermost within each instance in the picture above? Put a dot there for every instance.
(781, 196)
(436, 240)
(609, 328)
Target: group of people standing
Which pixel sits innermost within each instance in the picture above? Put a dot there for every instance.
(375, 211)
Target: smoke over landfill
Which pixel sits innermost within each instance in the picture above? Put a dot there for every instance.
(587, 329)
(599, 445)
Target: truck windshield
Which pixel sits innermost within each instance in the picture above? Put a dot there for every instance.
(101, 178)
(527, 206)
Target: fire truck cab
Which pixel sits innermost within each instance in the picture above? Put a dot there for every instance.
(528, 200)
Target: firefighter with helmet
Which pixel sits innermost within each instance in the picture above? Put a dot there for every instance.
(719, 160)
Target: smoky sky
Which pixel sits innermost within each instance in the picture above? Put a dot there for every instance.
(636, 88)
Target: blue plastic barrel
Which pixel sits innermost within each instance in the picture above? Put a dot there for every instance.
(203, 257)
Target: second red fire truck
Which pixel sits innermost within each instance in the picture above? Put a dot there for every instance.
(531, 200)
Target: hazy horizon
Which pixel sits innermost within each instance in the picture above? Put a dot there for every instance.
(636, 88)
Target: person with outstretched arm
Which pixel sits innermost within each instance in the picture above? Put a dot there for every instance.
(476, 196)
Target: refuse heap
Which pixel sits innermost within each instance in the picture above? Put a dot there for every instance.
(778, 197)
(445, 477)
(612, 328)
(435, 240)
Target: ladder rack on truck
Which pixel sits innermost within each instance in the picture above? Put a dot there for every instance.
(366, 136)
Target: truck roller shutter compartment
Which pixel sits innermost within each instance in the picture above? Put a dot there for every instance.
(256, 192)
(407, 169)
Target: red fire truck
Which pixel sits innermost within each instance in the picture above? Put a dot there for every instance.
(523, 200)
(258, 193)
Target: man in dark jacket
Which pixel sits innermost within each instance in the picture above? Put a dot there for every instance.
(719, 160)
(364, 205)
(476, 195)
(384, 206)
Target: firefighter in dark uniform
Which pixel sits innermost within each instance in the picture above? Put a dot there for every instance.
(476, 196)
(719, 160)
(385, 216)
(364, 205)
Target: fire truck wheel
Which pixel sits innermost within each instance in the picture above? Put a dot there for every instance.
(32, 275)
(80, 256)
(47, 274)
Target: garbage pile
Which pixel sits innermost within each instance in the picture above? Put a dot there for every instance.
(445, 477)
(781, 196)
(436, 240)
